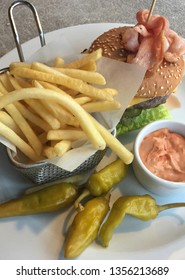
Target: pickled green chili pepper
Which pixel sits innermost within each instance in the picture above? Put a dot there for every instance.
(104, 180)
(142, 207)
(45, 200)
(85, 226)
(101, 182)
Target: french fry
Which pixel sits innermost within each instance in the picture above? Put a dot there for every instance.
(19, 64)
(43, 137)
(113, 143)
(85, 59)
(25, 128)
(90, 66)
(101, 106)
(82, 100)
(86, 76)
(71, 92)
(33, 118)
(10, 135)
(54, 103)
(2, 88)
(38, 93)
(6, 82)
(22, 82)
(49, 152)
(52, 87)
(57, 110)
(23, 125)
(62, 147)
(48, 105)
(113, 92)
(14, 82)
(74, 74)
(59, 89)
(58, 62)
(63, 80)
(65, 134)
(8, 121)
(39, 109)
(53, 142)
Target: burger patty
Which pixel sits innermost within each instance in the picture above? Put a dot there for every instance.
(151, 103)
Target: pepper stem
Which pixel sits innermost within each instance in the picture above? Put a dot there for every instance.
(84, 194)
(170, 205)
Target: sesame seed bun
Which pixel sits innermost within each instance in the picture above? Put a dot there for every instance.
(162, 81)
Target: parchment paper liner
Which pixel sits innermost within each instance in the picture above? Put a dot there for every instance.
(124, 77)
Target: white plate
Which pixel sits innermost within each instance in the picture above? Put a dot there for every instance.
(42, 236)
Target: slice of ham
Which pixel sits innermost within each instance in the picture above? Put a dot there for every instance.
(130, 40)
(152, 41)
(176, 44)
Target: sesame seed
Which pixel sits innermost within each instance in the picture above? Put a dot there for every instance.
(155, 85)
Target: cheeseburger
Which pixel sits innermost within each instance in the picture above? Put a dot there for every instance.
(153, 45)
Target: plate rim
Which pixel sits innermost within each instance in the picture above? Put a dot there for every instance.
(65, 28)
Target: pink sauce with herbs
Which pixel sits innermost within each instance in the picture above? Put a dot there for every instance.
(163, 153)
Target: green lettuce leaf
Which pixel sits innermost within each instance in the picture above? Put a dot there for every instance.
(134, 119)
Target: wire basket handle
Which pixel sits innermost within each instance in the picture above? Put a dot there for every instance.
(14, 29)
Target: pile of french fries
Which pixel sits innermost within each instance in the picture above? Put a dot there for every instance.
(45, 109)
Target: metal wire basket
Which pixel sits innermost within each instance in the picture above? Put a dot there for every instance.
(44, 172)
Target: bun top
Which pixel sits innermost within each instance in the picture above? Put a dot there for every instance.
(162, 81)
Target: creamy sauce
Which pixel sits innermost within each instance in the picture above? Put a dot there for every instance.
(163, 153)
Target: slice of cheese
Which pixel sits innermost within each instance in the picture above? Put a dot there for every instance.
(137, 100)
